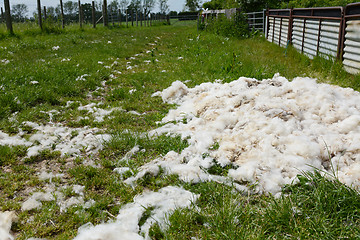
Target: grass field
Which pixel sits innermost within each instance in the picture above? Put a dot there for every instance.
(51, 78)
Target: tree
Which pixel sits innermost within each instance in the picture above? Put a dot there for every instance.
(312, 3)
(193, 5)
(164, 7)
(258, 5)
(135, 5)
(50, 12)
(70, 8)
(148, 5)
(113, 6)
(123, 5)
(19, 11)
(221, 4)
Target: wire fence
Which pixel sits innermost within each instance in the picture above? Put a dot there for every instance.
(85, 14)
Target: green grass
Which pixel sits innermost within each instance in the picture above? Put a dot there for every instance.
(316, 207)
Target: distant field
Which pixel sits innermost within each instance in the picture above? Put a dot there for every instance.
(76, 110)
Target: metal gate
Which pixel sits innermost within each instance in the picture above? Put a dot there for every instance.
(332, 32)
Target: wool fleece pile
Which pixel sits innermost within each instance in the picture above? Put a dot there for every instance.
(269, 130)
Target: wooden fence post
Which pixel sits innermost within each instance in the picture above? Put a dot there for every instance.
(112, 17)
(39, 14)
(141, 19)
(127, 20)
(105, 14)
(45, 13)
(119, 16)
(2, 15)
(80, 19)
(137, 18)
(62, 14)
(93, 14)
(144, 14)
(8, 17)
(132, 17)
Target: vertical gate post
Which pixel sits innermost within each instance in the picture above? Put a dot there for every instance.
(290, 26)
(339, 54)
(318, 40)
(303, 36)
(267, 23)
(273, 32)
(281, 20)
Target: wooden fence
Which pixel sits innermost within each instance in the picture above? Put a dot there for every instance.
(129, 18)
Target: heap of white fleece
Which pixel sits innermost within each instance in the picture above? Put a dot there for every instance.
(270, 130)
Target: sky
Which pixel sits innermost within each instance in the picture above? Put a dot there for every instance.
(174, 5)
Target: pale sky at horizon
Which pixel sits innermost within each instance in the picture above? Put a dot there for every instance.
(174, 5)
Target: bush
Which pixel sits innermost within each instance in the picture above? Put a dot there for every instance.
(236, 26)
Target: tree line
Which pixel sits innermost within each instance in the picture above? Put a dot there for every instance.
(258, 5)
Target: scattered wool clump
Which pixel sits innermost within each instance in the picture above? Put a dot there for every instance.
(98, 113)
(35, 200)
(52, 193)
(126, 224)
(131, 153)
(6, 219)
(45, 175)
(64, 205)
(16, 140)
(269, 130)
(58, 138)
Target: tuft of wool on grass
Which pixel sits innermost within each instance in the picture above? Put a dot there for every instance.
(126, 226)
(98, 113)
(59, 138)
(6, 219)
(269, 131)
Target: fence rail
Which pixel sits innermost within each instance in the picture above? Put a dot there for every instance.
(332, 32)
